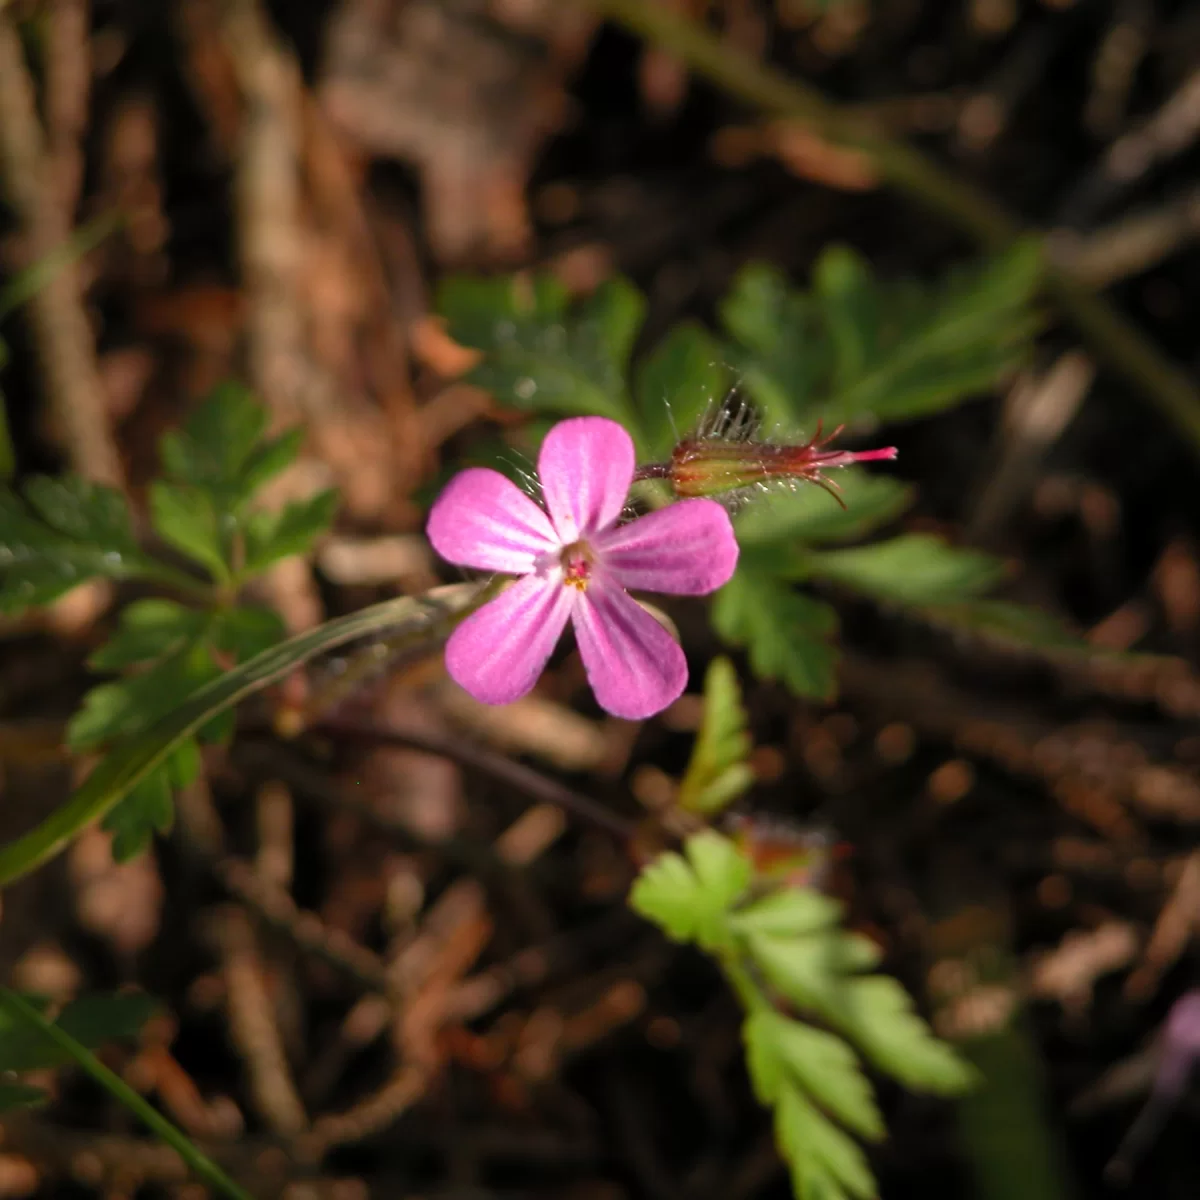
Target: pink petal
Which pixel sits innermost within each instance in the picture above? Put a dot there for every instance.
(686, 549)
(634, 665)
(498, 653)
(586, 467)
(483, 520)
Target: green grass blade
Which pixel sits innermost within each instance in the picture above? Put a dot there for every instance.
(204, 1168)
(33, 278)
(420, 617)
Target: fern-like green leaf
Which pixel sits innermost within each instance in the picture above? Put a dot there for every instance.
(915, 569)
(718, 772)
(540, 356)
(786, 634)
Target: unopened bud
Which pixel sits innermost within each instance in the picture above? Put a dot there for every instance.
(716, 466)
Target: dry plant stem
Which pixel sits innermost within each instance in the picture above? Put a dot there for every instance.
(305, 929)
(1168, 132)
(68, 79)
(1130, 245)
(1037, 410)
(268, 205)
(62, 334)
(1113, 339)
(1176, 924)
(252, 1026)
(524, 779)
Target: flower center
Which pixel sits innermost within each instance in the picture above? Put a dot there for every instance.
(576, 560)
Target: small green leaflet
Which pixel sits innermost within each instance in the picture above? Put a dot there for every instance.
(718, 772)
(915, 569)
(853, 348)
(781, 1052)
(21, 1095)
(540, 356)
(63, 533)
(186, 518)
(786, 634)
(826, 1164)
(689, 895)
(809, 514)
(271, 536)
(92, 1020)
(169, 651)
(214, 466)
(677, 385)
(780, 351)
(222, 450)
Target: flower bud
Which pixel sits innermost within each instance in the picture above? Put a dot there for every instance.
(716, 466)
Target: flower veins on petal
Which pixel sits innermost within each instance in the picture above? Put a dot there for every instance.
(577, 563)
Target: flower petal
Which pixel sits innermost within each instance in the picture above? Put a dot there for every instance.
(686, 549)
(586, 466)
(498, 653)
(634, 665)
(483, 520)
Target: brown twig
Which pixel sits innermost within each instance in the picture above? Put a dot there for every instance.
(62, 334)
(304, 929)
(253, 1027)
(1168, 132)
(524, 779)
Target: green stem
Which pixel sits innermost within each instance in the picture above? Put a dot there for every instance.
(204, 1168)
(1112, 338)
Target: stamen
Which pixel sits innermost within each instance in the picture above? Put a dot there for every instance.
(576, 562)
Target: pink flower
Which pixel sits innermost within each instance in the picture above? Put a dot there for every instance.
(576, 562)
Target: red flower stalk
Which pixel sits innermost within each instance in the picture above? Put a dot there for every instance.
(712, 465)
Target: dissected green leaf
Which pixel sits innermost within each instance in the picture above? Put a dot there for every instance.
(855, 348)
(668, 893)
(148, 629)
(677, 384)
(786, 634)
(247, 630)
(218, 446)
(268, 460)
(271, 536)
(717, 772)
(128, 705)
(21, 1095)
(825, 1162)
(146, 810)
(185, 518)
(878, 1015)
(214, 466)
(92, 1020)
(689, 898)
(808, 513)
(723, 874)
(808, 971)
(537, 355)
(904, 350)
(183, 767)
(69, 531)
(781, 353)
(782, 1052)
(1017, 625)
(914, 568)
(790, 912)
